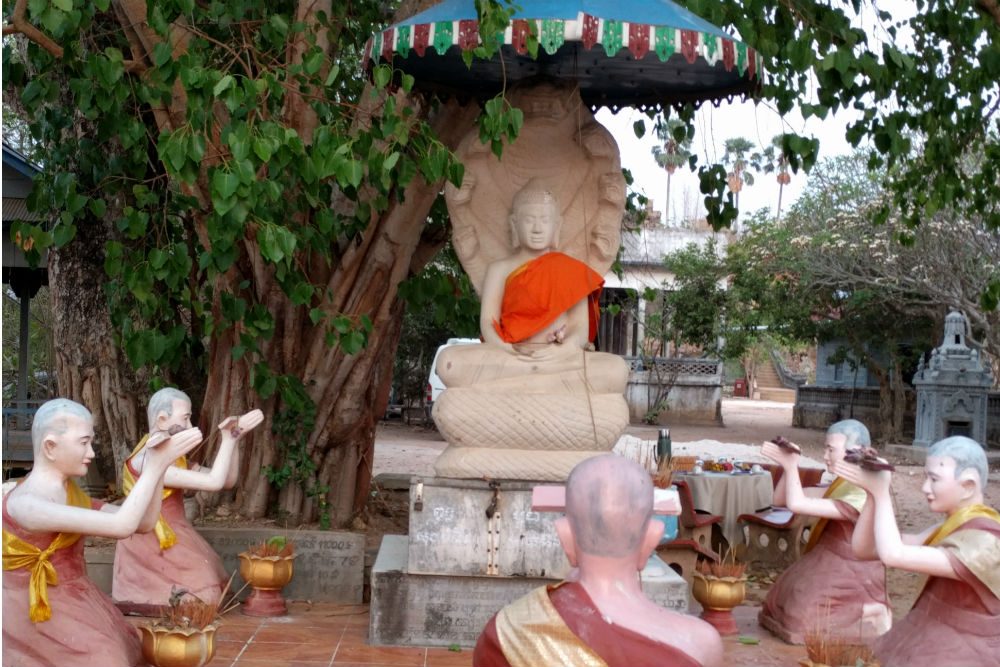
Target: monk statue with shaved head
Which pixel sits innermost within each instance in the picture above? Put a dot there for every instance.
(601, 617)
(955, 620)
(53, 613)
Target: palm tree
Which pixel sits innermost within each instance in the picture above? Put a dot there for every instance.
(673, 154)
(784, 178)
(737, 154)
(774, 159)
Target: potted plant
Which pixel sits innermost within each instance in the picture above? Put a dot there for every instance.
(719, 587)
(826, 650)
(184, 636)
(267, 567)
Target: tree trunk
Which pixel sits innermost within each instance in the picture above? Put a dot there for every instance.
(781, 189)
(351, 392)
(889, 428)
(666, 205)
(90, 367)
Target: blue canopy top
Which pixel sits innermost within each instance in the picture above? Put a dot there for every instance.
(649, 12)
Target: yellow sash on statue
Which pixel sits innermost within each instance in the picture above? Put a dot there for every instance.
(532, 633)
(957, 519)
(164, 533)
(981, 545)
(18, 553)
(840, 490)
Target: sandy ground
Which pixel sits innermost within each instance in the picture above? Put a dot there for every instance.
(412, 449)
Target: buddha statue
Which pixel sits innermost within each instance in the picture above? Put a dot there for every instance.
(601, 616)
(535, 398)
(955, 620)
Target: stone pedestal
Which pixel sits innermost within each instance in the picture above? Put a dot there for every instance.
(442, 583)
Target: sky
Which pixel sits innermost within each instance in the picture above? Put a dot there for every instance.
(756, 122)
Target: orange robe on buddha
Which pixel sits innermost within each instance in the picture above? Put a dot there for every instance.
(538, 292)
(559, 625)
(75, 624)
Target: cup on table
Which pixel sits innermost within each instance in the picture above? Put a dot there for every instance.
(697, 469)
(756, 469)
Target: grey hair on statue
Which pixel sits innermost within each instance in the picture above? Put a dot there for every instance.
(163, 401)
(609, 501)
(51, 418)
(967, 454)
(856, 433)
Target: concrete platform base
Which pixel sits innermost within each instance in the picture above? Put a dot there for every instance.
(409, 609)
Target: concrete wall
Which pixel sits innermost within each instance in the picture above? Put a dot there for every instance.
(826, 373)
(329, 566)
(694, 398)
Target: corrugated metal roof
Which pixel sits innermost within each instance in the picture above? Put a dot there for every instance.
(17, 209)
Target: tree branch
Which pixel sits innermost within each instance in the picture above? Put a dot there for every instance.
(19, 24)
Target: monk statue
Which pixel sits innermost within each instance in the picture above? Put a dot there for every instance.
(53, 614)
(535, 231)
(829, 589)
(955, 620)
(148, 566)
(601, 617)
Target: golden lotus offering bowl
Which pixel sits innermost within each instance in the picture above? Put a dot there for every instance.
(174, 647)
(266, 573)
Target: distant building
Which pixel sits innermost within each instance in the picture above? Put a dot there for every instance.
(643, 251)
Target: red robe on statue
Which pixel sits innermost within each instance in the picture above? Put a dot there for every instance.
(954, 622)
(539, 291)
(580, 636)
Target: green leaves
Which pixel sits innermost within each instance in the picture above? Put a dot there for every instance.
(276, 243)
(499, 122)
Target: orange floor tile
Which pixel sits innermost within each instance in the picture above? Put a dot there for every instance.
(327, 635)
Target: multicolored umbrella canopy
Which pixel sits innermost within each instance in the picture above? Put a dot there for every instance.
(638, 53)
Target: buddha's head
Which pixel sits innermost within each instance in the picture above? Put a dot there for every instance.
(535, 218)
(62, 436)
(955, 473)
(169, 410)
(841, 436)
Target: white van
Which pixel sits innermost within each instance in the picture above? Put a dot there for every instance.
(434, 384)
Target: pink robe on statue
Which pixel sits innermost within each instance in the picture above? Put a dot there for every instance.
(144, 574)
(86, 630)
(954, 622)
(829, 590)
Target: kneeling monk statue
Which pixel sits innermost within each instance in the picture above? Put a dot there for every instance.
(601, 618)
(829, 589)
(53, 613)
(955, 620)
(148, 566)
(535, 230)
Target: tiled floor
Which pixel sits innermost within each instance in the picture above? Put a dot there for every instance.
(336, 636)
(318, 635)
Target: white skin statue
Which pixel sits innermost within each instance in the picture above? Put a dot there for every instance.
(876, 533)
(789, 492)
(608, 535)
(62, 437)
(170, 408)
